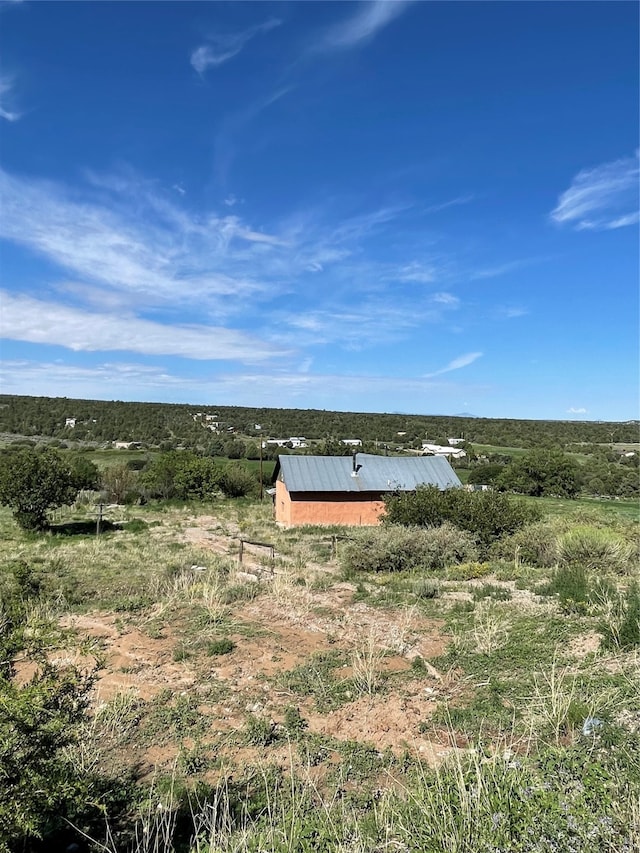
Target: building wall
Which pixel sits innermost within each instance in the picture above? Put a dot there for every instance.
(327, 507)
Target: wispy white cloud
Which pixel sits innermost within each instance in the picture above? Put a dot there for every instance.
(577, 411)
(370, 17)
(500, 269)
(223, 47)
(456, 364)
(447, 299)
(510, 312)
(136, 242)
(418, 273)
(121, 246)
(604, 197)
(6, 89)
(24, 318)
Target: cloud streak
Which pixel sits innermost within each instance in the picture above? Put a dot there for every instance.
(6, 87)
(456, 364)
(223, 47)
(24, 318)
(364, 25)
(601, 198)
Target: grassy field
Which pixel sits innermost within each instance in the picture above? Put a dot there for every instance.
(292, 702)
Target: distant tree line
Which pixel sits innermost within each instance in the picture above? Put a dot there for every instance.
(170, 426)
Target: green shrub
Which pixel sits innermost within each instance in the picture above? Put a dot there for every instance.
(594, 548)
(237, 481)
(535, 545)
(571, 585)
(393, 548)
(259, 731)
(487, 515)
(426, 588)
(469, 571)
(32, 482)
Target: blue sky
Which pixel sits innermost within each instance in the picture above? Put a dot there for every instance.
(426, 207)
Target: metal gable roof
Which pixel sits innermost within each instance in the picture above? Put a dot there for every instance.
(375, 474)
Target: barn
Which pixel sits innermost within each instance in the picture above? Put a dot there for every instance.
(350, 489)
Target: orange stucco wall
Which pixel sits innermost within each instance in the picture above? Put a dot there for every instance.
(326, 507)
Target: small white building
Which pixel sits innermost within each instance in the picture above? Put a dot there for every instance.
(294, 441)
(441, 450)
(351, 442)
(70, 422)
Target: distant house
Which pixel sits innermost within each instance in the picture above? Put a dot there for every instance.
(294, 441)
(443, 450)
(351, 442)
(70, 422)
(350, 489)
(208, 421)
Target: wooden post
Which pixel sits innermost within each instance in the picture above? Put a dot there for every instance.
(99, 519)
(261, 483)
(241, 550)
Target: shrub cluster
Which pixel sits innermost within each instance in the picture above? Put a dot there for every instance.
(560, 541)
(486, 515)
(393, 548)
(188, 476)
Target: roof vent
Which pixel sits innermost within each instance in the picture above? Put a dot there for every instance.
(356, 467)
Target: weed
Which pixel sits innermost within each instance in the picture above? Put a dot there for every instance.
(469, 571)
(223, 646)
(259, 731)
(496, 593)
(426, 588)
(181, 653)
(294, 722)
(620, 615)
(365, 663)
(240, 592)
(317, 678)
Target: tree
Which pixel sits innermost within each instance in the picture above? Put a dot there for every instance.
(33, 481)
(85, 472)
(542, 472)
(120, 482)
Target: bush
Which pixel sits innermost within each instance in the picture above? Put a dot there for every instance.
(488, 515)
(536, 545)
(594, 548)
(392, 548)
(237, 481)
(469, 571)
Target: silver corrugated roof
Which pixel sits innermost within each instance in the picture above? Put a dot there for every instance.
(375, 474)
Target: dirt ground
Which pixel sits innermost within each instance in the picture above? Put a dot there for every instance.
(289, 624)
